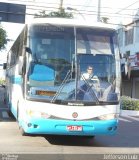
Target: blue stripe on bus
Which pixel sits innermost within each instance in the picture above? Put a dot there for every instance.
(16, 80)
(59, 127)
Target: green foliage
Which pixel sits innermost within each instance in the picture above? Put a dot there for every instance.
(61, 13)
(128, 103)
(3, 36)
(104, 19)
(41, 14)
(2, 81)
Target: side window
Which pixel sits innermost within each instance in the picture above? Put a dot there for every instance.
(21, 43)
(17, 49)
(14, 53)
(8, 59)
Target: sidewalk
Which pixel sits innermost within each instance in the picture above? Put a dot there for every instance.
(129, 113)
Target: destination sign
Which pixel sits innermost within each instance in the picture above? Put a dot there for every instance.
(48, 28)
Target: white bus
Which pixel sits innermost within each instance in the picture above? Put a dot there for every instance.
(45, 91)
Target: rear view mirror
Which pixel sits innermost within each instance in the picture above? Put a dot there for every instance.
(28, 50)
(4, 65)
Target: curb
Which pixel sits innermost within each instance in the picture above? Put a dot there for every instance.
(129, 113)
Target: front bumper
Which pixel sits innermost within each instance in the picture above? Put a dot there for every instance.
(59, 127)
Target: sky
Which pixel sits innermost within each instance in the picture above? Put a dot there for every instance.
(118, 12)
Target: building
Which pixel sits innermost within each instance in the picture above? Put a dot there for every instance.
(129, 49)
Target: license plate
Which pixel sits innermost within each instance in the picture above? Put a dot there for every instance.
(74, 128)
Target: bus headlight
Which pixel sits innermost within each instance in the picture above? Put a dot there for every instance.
(37, 114)
(109, 116)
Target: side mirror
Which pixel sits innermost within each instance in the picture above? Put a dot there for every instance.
(28, 50)
(4, 65)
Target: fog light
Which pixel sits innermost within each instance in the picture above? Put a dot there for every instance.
(35, 125)
(109, 128)
(29, 124)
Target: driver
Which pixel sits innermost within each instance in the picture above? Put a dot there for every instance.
(90, 77)
(89, 74)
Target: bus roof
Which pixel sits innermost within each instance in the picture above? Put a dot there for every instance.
(72, 22)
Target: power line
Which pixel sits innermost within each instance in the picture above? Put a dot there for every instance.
(86, 6)
(103, 14)
(76, 8)
(127, 6)
(89, 12)
(19, 13)
(85, 12)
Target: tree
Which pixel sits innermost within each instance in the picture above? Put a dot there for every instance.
(104, 19)
(60, 13)
(3, 38)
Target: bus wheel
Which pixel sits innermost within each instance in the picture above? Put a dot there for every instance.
(89, 137)
(23, 133)
(11, 114)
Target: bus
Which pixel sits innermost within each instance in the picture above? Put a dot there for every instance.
(44, 88)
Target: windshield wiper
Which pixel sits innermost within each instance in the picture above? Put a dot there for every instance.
(68, 75)
(90, 88)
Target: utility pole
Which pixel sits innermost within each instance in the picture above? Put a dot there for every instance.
(98, 13)
(61, 5)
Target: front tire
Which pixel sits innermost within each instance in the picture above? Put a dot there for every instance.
(90, 137)
(23, 133)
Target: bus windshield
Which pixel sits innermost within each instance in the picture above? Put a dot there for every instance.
(60, 59)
